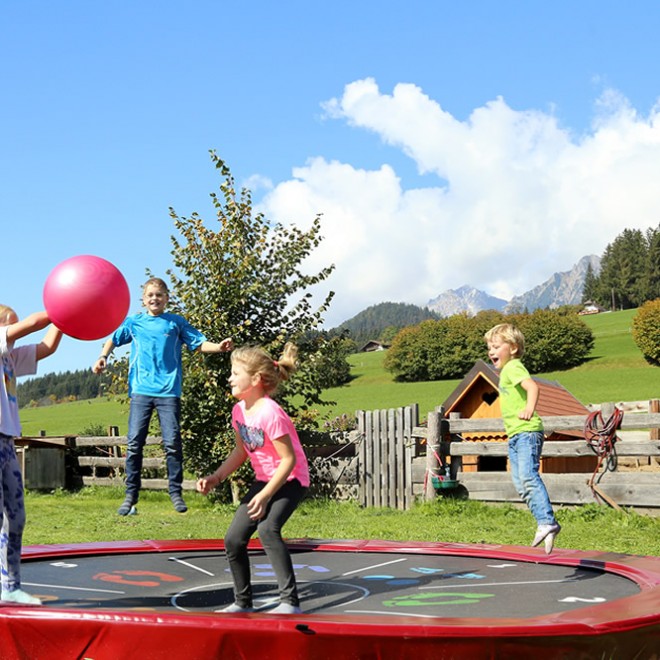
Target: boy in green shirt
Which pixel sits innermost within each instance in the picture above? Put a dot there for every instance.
(519, 394)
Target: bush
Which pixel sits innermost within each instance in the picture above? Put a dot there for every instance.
(448, 348)
(553, 341)
(646, 331)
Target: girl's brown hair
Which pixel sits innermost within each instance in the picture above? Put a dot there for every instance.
(257, 361)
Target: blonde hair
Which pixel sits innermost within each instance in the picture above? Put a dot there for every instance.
(509, 334)
(257, 361)
(157, 282)
(5, 312)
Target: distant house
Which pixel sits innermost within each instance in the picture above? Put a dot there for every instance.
(372, 346)
(591, 307)
(477, 397)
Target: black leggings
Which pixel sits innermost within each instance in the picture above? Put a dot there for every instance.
(242, 527)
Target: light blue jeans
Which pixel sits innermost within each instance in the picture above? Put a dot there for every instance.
(169, 412)
(12, 512)
(524, 459)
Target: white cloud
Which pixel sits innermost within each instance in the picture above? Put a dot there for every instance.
(516, 198)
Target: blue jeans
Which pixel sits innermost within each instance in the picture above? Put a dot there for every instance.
(525, 458)
(139, 417)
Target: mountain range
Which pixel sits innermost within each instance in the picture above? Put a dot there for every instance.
(560, 289)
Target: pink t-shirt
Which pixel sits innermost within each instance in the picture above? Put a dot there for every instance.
(257, 431)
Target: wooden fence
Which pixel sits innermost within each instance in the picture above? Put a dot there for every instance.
(391, 459)
(398, 459)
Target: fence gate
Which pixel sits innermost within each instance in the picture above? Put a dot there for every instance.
(385, 457)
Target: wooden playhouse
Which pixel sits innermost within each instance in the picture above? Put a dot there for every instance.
(477, 397)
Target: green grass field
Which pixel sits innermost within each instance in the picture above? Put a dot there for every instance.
(91, 515)
(615, 371)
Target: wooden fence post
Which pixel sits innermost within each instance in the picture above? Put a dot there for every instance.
(654, 407)
(432, 452)
(455, 462)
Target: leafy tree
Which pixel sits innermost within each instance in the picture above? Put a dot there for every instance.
(646, 331)
(387, 334)
(243, 279)
(330, 351)
(553, 341)
(653, 264)
(623, 271)
(407, 358)
(590, 287)
(434, 350)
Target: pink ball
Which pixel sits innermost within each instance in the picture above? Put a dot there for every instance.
(86, 297)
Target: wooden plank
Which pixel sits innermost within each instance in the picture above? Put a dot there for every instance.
(384, 458)
(362, 458)
(626, 489)
(654, 407)
(43, 442)
(399, 445)
(555, 423)
(392, 472)
(369, 476)
(110, 441)
(409, 449)
(108, 461)
(149, 484)
(562, 448)
(377, 487)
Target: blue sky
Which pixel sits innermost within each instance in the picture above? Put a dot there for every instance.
(481, 143)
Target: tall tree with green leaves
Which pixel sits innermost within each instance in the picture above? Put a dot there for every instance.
(243, 279)
(653, 264)
(590, 288)
(623, 271)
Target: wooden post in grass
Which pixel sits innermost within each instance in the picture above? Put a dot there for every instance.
(433, 449)
(654, 407)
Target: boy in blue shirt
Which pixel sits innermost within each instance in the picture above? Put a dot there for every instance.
(154, 383)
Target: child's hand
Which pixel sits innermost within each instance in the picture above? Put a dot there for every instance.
(257, 507)
(227, 344)
(100, 365)
(526, 414)
(206, 484)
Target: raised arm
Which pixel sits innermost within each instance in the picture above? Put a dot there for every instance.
(32, 323)
(49, 343)
(102, 361)
(211, 347)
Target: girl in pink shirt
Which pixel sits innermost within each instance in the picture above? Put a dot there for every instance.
(265, 434)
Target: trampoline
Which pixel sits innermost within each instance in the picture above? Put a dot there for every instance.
(361, 599)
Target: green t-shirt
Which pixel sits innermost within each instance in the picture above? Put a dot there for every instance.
(513, 399)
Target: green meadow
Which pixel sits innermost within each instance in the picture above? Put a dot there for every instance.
(615, 371)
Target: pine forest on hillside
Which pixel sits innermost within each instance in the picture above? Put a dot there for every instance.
(381, 322)
(54, 388)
